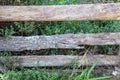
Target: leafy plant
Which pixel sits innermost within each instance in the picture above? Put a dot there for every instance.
(7, 32)
(26, 28)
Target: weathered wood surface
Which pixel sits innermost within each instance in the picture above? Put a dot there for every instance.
(73, 41)
(62, 60)
(2, 69)
(109, 11)
(116, 72)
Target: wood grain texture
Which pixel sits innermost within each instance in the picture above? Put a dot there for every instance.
(2, 69)
(71, 41)
(109, 11)
(62, 60)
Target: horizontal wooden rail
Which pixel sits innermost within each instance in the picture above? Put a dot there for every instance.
(71, 41)
(62, 60)
(109, 11)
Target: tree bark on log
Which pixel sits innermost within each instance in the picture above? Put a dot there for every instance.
(71, 41)
(109, 11)
(62, 60)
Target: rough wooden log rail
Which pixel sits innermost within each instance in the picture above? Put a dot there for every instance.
(71, 41)
(62, 60)
(109, 11)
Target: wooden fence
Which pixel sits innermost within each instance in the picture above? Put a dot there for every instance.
(110, 11)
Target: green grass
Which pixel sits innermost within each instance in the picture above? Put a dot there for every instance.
(63, 27)
(37, 74)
